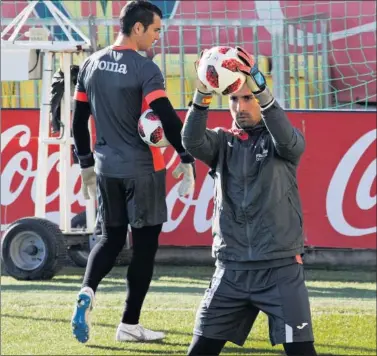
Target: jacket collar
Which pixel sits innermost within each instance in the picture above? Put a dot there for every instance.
(244, 134)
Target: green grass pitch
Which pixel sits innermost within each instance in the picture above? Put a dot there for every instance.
(35, 316)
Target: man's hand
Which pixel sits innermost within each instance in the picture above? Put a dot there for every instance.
(199, 84)
(202, 95)
(88, 182)
(255, 79)
(187, 168)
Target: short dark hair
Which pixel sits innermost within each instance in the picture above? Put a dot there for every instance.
(137, 11)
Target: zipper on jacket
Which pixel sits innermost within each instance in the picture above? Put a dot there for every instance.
(244, 203)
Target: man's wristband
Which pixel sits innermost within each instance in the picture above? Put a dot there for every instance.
(186, 157)
(86, 161)
(265, 98)
(202, 99)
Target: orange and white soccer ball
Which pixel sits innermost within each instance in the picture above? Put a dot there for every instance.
(217, 70)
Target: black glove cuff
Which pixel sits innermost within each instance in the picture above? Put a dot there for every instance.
(186, 157)
(86, 161)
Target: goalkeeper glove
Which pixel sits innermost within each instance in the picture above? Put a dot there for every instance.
(88, 183)
(202, 96)
(88, 176)
(187, 168)
(199, 84)
(255, 79)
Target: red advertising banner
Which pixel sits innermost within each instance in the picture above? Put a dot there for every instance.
(337, 180)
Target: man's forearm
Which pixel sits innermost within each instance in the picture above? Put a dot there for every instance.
(202, 143)
(286, 137)
(276, 121)
(81, 134)
(194, 128)
(171, 123)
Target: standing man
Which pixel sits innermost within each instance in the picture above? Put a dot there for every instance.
(116, 85)
(257, 223)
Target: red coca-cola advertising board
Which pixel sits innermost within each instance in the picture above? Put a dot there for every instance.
(337, 180)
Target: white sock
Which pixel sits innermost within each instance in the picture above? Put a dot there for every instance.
(89, 291)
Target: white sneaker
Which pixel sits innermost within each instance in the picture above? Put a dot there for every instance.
(126, 332)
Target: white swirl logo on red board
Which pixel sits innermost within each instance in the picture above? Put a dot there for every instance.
(339, 182)
(21, 165)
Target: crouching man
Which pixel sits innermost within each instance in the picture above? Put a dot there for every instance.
(257, 223)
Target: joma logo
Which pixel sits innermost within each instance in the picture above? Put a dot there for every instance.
(111, 67)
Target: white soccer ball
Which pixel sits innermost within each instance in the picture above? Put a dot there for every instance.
(217, 70)
(150, 129)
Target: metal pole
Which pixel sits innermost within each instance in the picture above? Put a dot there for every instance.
(36, 93)
(296, 75)
(92, 32)
(21, 22)
(306, 66)
(236, 33)
(198, 50)
(41, 179)
(278, 66)
(18, 95)
(59, 16)
(315, 85)
(198, 39)
(181, 69)
(65, 147)
(21, 16)
(285, 61)
(163, 56)
(325, 65)
(255, 43)
(275, 68)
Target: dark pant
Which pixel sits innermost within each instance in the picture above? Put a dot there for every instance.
(201, 346)
(234, 299)
(121, 202)
(137, 201)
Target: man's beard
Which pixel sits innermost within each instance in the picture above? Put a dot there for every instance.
(244, 122)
